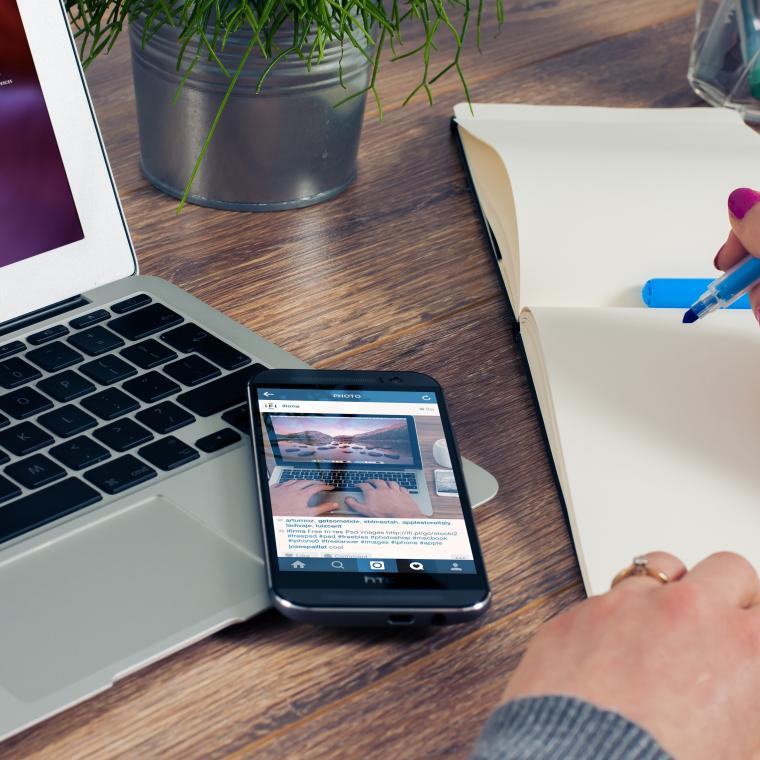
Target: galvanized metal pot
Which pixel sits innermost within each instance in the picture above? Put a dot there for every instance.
(288, 146)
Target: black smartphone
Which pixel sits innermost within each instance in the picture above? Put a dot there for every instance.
(355, 533)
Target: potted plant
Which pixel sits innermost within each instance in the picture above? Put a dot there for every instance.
(258, 104)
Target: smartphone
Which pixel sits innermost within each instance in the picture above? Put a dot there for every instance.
(353, 535)
(445, 483)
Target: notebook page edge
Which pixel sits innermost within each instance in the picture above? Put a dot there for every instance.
(531, 339)
(486, 186)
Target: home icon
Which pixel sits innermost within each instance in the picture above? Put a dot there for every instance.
(298, 565)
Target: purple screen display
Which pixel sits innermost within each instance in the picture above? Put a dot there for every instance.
(37, 211)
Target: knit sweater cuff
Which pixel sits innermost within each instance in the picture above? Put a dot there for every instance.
(563, 728)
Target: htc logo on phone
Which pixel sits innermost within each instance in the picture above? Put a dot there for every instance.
(375, 579)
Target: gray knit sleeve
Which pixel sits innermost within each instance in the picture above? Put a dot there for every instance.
(563, 728)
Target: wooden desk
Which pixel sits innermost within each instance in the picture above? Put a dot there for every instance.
(402, 258)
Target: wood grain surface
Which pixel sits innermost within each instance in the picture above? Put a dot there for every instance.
(402, 260)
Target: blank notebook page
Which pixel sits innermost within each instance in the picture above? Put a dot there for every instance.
(658, 427)
(605, 199)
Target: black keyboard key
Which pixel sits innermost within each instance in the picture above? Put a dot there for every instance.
(8, 490)
(239, 418)
(4, 421)
(66, 386)
(218, 441)
(35, 471)
(25, 438)
(165, 418)
(24, 402)
(168, 453)
(4, 457)
(67, 421)
(95, 341)
(15, 372)
(11, 348)
(130, 304)
(110, 404)
(120, 474)
(148, 354)
(56, 331)
(80, 452)
(151, 387)
(108, 370)
(190, 338)
(44, 506)
(220, 394)
(54, 356)
(192, 370)
(86, 320)
(123, 434)
(146, 322)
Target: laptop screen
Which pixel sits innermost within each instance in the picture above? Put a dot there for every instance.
(321, 439)
(37, 209)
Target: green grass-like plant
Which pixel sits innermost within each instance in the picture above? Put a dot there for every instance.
(204, 27)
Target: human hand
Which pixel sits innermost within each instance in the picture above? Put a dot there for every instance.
(384, 498)
(744, 238)
(291, 498)
(680, 659)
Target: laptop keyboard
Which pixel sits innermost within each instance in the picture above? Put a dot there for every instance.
(88, 408)
(349, 480)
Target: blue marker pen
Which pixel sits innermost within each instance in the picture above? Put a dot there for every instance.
(726, 289)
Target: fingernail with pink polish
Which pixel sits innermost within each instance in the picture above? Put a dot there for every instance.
(741, 201)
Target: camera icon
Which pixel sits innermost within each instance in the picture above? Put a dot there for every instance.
(376, 564)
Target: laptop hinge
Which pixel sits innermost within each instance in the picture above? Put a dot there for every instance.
(42, 314)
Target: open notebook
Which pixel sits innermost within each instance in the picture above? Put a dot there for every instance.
(654, 426)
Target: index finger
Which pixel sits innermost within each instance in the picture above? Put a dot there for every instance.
(744, 238)
(744, 217)
(729, 577)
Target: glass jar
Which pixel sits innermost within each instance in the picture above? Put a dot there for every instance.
(724, 67)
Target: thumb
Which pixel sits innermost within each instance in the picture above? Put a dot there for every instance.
(353, 503)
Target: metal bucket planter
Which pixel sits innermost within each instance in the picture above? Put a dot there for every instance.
(287, 147)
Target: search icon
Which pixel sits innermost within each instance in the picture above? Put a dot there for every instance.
(337, 564)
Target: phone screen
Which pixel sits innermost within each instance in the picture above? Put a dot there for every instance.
(445, 484)
(351, 485)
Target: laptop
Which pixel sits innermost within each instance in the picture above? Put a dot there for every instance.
(348, 450)
(128, 515)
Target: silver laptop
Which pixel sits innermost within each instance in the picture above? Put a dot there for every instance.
(319, 447)
(128, 521)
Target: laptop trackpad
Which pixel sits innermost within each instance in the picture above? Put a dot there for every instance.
(105, 596)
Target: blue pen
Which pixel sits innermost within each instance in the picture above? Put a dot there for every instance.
(725, 290)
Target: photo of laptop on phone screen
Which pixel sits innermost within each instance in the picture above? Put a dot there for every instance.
(345, 451)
